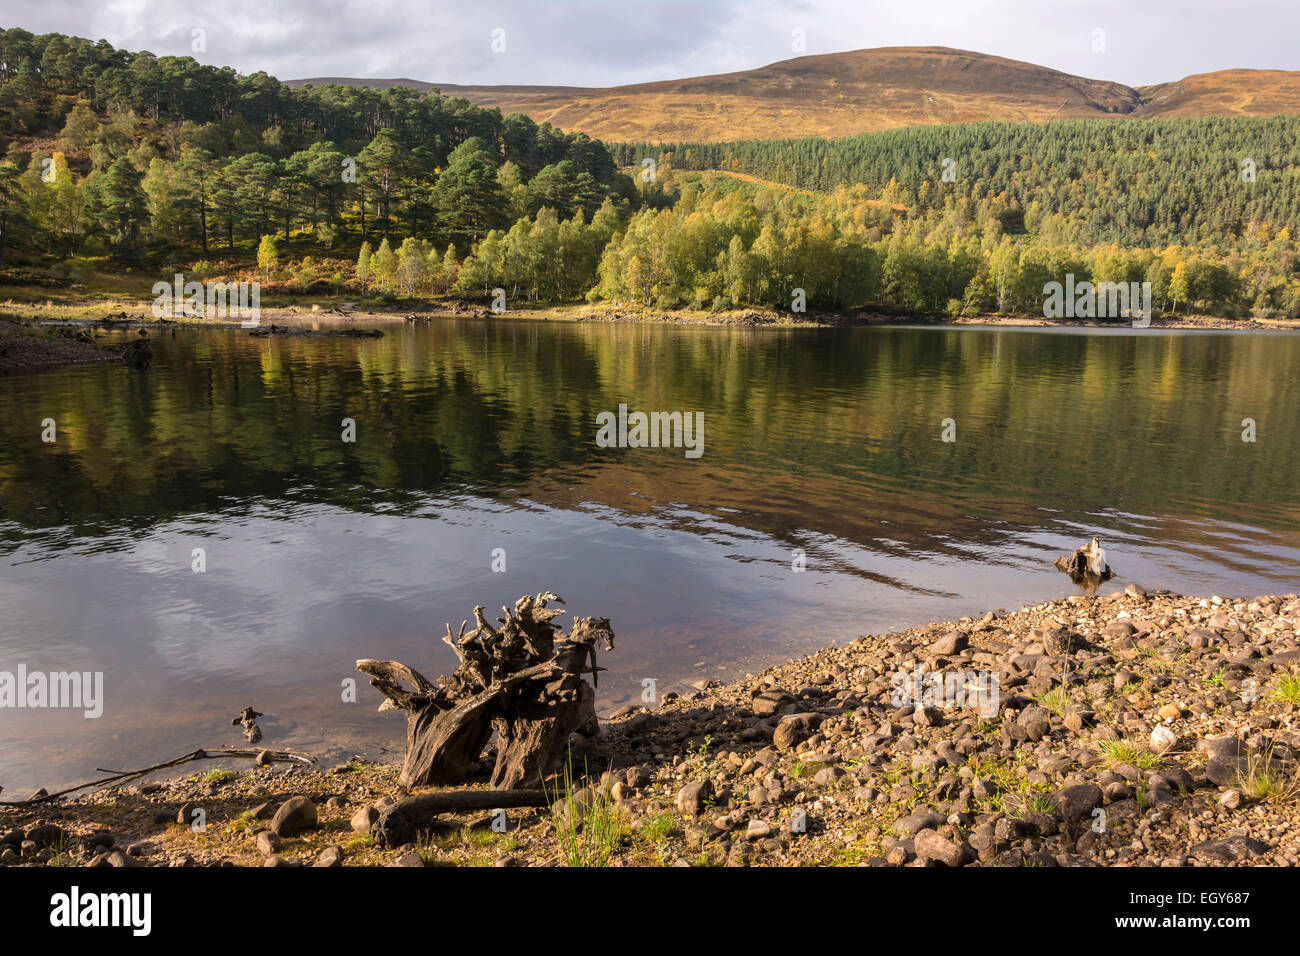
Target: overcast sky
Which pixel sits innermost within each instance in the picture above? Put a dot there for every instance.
(610, 42)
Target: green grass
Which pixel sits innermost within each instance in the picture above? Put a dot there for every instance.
(1264, 782)
(1288, 688)
(1132, 752)
(362, 841)
(588, 836)
(658, 828)
(1057, 700)
(219, 776)
(1016, 796)
(702, 750)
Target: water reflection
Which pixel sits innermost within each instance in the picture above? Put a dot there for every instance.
(477, 435)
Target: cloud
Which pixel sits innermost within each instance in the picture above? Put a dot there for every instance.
(610, 42)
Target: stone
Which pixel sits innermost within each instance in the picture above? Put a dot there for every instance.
(1162, 738)
(1057, 642)
(691, 799)
(1221, 747)
(758, 830)
(364, 818)
(1229, 850)
(637, 778)
(770, 701)
(296, 815)
(787, 735)
(1225, 771)
(918, 821)
(48, 835)
(931, 845)
(268, 843)
(99, 840)
(954, 642)
(1076, 803)
(1036, 721)
(827, 776)
(330, 856)
(409, 859)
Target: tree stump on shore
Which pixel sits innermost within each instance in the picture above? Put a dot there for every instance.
(1087, 565)
(518, 680)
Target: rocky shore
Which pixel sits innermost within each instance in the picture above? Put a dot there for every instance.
(27, 348)
(1122, 730)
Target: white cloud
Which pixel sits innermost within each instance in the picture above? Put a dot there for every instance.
(608, 42)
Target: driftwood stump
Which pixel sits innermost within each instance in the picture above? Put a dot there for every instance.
(1086, 565)
(519, 680)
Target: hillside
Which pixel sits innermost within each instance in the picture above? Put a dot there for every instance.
(1224, 93)
(862, 91)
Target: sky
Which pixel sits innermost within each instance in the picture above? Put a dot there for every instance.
(612, 42)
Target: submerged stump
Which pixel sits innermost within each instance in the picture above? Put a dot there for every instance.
(522, 681)
(1086, 565)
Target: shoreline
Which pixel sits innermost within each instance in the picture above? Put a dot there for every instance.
(40, 348)
(1130, 729)
(51, 311)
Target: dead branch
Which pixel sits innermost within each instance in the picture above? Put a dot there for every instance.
(125, 776)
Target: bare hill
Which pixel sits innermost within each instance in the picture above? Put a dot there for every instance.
(841, 94)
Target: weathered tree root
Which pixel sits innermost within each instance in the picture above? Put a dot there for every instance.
(402, 822)
(518, 681)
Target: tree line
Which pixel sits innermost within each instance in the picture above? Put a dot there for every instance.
(154, 153)
(434, 196)
(1146, 182)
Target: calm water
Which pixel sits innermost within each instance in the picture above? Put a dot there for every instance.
(474, 435)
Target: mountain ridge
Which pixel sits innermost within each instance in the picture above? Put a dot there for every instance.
(862, 91)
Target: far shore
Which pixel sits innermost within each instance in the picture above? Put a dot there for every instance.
(76, 309)
(50, 313)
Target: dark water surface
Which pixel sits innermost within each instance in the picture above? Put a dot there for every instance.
(478, 435)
